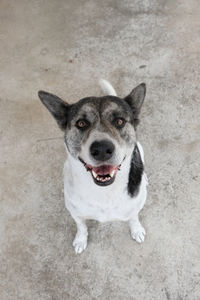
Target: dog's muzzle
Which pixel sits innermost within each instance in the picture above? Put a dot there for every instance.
(102, 151)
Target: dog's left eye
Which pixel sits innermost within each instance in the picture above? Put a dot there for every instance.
(119, 122)
(82, 124)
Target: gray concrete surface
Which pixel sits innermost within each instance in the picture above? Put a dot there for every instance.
(65, 47)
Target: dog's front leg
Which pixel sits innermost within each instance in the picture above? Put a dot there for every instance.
(137, 231)
(80, 241)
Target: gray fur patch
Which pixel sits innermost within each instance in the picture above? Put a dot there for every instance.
(100, 113)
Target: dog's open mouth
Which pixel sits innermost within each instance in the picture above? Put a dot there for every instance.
(102, 175)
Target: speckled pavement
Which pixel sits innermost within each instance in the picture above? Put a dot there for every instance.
(64, 47)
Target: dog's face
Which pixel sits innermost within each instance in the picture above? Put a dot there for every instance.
(99, 131)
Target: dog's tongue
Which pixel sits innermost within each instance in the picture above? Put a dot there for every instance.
(105, 169)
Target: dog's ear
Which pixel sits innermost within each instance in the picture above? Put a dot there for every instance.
(57, 107)
(135, 100)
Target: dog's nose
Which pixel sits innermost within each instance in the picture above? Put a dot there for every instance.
(102, 150)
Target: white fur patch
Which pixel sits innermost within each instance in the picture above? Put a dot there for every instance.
(85, 199)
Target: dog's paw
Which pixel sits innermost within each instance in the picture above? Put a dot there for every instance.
(138, 234)
(79, 244)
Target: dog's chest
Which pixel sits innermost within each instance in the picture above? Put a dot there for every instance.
(86, 199)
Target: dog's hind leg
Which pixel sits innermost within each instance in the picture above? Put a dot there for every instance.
(80, 241)
(137, 231)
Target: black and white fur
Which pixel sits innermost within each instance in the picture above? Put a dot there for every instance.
(100, 134)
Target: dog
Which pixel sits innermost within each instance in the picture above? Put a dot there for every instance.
(104, 176)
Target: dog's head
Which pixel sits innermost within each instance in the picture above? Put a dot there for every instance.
(99, 131)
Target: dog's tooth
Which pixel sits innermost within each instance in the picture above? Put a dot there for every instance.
(98, 178)
(112, 173)
(94, 174)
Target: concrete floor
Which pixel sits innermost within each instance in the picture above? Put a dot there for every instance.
(65, 47)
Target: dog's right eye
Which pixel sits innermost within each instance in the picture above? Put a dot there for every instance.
(82, 124)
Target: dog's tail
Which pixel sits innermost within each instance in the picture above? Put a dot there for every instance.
(107, 87)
